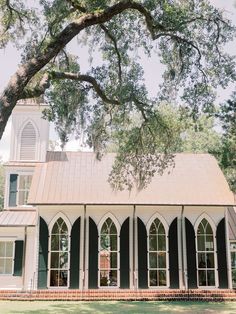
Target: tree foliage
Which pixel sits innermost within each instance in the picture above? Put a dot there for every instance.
(227, 116)
(188, 38)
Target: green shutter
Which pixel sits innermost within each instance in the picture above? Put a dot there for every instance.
(93, 255)
(75, 255)
(173, 255)
(43, 254)
(191, 254)
(13, 190)
(18, 259)
(221, 255)
(142, 255)
(124, 254)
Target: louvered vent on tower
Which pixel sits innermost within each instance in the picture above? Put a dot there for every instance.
(28, 142)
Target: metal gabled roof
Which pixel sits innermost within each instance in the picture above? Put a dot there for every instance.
(79, 178)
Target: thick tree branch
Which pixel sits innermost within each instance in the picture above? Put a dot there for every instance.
(45, 83)
(37, 90)
(88, 79)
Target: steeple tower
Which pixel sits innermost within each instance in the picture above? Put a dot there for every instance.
(30, 133)
(29, 144)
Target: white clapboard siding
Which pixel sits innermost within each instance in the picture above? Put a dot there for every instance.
(28, 142)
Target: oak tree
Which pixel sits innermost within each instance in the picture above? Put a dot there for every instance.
(188, 37)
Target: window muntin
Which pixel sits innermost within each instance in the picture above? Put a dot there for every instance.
(205, 254)
(157, 254)
(233, 262)
(108, 255)
(6, 257)
(59, 253)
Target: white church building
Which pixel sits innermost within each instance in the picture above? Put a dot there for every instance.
(64, 227)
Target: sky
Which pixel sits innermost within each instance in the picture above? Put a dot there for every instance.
(10, 58)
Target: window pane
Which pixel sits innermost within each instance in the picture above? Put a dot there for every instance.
(153, 277)
(60, 221)
(55, 229)
(63, 278)
(208, 229)
(152, 243)
(55, 242)
(63, 229)
(113, 260)
(22, 197)
(161, 260)
(9, 249)
(104, 260)
(113, 278)
(161, 229)
(108, 222)
(153, 260)
(2, 270)
(201, 243)
(113, 239)
(233, 245)
(8, 266)
(153, 229)
(63, 260)
(233, 259)
(2, 249)
(234, 278)
(201, 260)
(104, 275)
(161, 243)
(104, 229)
(210, 278)
(113, 229)
(209, 243)
(22, 180)
(162, 278)
(200, 229)
(105, 242)
(210, 260)
(54, 260)
(202, 277)
(54, 275)
(63, 243)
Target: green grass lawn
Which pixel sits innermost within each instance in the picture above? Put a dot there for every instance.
(58, 307)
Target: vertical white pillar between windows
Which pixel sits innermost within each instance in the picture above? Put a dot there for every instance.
(131, 253)
(228, 254)
(135, 250)
(86, 257)
(185, 266)
(181, 283)
(82, 252)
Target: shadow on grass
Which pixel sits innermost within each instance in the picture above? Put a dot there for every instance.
(58, 307)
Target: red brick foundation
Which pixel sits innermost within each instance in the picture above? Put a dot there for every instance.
(125, 295)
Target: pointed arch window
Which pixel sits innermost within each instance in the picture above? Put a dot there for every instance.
(28, 142)
(108, 255)
(205, 254)
(59, 253)
(157, 254)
